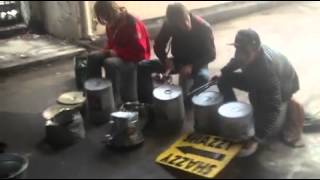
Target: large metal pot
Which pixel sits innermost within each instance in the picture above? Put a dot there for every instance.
(236, 121)
(64, 125)
(13, 166)
(206, 116)
(144, 110)
(169, 106)
(124, 130)
(100, 100)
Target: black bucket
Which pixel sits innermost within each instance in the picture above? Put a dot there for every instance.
(13, 166)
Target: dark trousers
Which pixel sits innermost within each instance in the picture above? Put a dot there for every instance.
(145, 85)
(237, 80)
(122, 74)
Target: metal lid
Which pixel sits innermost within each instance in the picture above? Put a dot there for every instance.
(167, 92)
(54, 110)
(235, 110)
(97, 84)
(208, 98)
(124, 115)
(72, 98)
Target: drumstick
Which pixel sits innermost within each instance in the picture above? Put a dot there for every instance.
(206, 86)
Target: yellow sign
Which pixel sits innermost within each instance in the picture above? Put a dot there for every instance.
(198, 154)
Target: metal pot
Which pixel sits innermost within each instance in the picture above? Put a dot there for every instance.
(144, 110)
(13, 166)
(100, 100)
(64, 125)
(124, 131)
(206, 116)
(236, 121)
(169, 106)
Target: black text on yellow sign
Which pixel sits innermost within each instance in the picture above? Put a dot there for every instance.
(202, 155)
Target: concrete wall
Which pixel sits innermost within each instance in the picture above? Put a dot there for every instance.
(152, 9)
(62, 18)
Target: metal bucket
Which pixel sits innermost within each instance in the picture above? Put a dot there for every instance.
(169, 106)
(13, 166)
(100, 100)
(64, 125)
(124, 130)
(236, 121)
(206, 115)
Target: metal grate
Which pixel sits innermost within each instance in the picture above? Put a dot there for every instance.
(10, 13)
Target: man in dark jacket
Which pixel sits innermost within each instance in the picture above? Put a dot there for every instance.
(192, 47)
(269, 78)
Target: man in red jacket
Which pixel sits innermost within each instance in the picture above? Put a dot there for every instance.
(127, 44)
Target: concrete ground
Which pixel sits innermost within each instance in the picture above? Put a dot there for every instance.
(293, 30)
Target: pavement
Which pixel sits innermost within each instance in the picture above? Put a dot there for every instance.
(25, 94)
(29, 49)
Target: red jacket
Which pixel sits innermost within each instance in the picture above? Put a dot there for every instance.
(129, 39)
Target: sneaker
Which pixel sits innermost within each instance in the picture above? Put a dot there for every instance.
(248, 149)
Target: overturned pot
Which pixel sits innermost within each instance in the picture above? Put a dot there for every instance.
(169, 106)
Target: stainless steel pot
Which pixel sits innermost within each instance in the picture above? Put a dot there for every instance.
(123, 130)
(206, 116)
(64, 125)
(236, 121)
(100, 100)
(169, 106)
(145, 112)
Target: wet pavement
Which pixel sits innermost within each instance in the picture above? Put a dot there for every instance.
(293, 30)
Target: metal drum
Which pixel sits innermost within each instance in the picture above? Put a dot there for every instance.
(64, 125)
(169, 106)
(100, 101)
(124, 130)
(236, 121)
(206, 116)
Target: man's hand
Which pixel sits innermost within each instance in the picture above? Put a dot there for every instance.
(186, 70)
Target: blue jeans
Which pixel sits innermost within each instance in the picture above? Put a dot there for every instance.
(145, 85)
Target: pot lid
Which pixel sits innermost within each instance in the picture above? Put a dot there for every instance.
(54, 110)
(235, 110)
(167, 92)
(72, 98)
(97, 84)
(208, 98)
